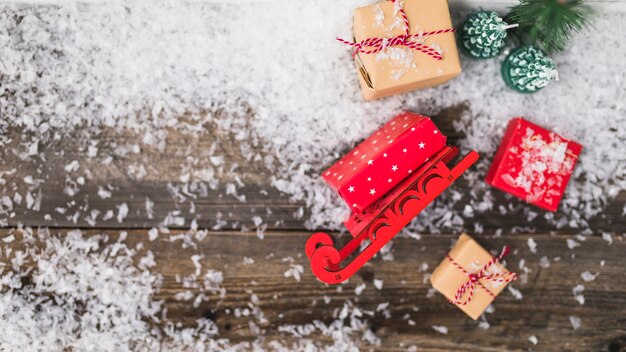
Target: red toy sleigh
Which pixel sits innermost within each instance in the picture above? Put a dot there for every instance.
(385, 218)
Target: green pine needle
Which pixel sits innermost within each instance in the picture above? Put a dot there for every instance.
(549, 23)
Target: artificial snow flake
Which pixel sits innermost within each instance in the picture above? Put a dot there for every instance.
(359, 289)
(153, 233)
(122, 212)
(73, 166)
(575, 321)
(577, 291)
(108, 215)
(295, 271)
(532, 245)
(544, 262)
(587, 276)
(515, 292)
(440, 329)
(103, 193)
(571, 244)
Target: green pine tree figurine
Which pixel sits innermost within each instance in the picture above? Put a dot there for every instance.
(549, 24)
(528, 69)
(483, 35)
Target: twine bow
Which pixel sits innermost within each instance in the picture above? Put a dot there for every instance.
(376, 44)
(474, 279)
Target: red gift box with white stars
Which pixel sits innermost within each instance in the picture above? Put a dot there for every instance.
(384, 159)
(534, 164)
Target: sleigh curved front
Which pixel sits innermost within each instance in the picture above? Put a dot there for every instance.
(380, 223)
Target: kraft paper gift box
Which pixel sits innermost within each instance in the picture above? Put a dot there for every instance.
(448, 278)
(384, 159)
(398, 68)
(533, 164)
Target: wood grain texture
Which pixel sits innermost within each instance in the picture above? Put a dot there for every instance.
(133, 173)
(171, 178)
(543, 311)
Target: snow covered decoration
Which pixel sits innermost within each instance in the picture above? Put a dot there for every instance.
(394, 54)
(483, 34)
(533, 164)
(528, 69)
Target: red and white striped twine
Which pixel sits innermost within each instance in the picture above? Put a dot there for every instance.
(470, 285)
(376, 44)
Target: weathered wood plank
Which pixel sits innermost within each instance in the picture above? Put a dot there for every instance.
(176, 182)
(543, 311)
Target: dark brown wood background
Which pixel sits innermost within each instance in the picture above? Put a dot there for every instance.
(544, 310)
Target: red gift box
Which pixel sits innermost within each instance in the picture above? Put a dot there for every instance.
(384, 159)
(533, 164)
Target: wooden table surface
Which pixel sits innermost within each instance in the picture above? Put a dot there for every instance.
(134, 177)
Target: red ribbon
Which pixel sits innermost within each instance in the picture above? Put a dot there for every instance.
(474, 279)
(376, 44)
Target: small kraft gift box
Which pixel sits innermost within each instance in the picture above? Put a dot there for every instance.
(384, 159)
(533, 164)
(401, 46)
(470, 277)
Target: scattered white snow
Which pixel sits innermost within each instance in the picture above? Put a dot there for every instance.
(515, 292)
(359, 289)
(73, 166)
(97, 294)
(103, 193)
(440, 329)
(196, 58)
(87, 295)
(544, 262)
(571, 244)
(153, 233)
(295, 271)
(577, 291)
(149, 67)
(122, 212)
(575, 321)
(484, 324)
(587, 276)
(532, 245)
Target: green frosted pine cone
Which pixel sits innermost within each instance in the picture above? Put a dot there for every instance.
(528, 69)
(483, 35)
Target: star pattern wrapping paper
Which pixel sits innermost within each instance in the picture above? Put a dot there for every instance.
(384, 159)
(533, 164)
